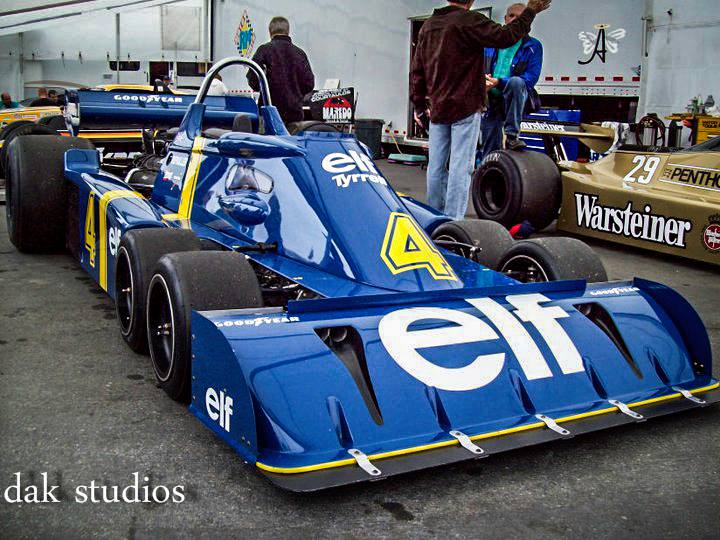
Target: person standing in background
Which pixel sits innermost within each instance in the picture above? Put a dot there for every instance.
(512, 74)
(288, 71)
(7, 102)
(448, 72)
(42, 100)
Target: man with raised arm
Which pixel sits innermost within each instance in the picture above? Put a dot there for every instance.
(447, 82)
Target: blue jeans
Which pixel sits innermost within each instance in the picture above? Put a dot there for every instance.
(448, 191)
(504, 112)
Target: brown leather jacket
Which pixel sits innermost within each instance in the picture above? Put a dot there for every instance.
(448, 66)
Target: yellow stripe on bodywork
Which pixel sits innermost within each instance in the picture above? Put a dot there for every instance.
(191, 176)
(184, 222)
(415, 449)
(102, 228)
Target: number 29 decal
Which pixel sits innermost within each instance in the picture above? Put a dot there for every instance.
(645, 168)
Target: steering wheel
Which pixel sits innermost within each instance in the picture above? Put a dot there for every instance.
(229, 61)
(653, 122)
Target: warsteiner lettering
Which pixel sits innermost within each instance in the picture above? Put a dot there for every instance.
(630, 223)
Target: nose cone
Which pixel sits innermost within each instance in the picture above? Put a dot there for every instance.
(383, 244)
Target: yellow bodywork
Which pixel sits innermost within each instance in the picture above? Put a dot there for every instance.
(33, 114)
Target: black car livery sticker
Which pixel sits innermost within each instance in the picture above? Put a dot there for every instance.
(630, 223)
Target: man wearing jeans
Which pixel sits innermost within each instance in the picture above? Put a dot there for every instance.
(512, 74)
(448, 72)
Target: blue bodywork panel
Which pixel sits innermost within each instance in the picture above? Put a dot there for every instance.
(443, 345)
(553, 119)
(131, 109)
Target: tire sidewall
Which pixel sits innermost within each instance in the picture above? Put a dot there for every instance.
(143, 253)
(177, 382)
(498, 163)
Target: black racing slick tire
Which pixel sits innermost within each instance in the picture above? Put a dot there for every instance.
(138, 253)
(35, 192)
(552, 259)
(9, 128)
(183, 282)
(19, 129)
(510, 187)
(480, 240)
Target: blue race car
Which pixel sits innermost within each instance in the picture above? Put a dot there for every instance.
(332, 331)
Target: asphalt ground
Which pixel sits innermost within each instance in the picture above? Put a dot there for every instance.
(76, 403)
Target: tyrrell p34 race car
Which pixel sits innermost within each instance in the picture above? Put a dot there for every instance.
(332, 331)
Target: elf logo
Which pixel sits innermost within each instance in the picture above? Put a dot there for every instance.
(338, 164)
(407, 332)
(219, 407)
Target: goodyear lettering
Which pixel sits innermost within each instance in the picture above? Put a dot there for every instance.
(257, 321)
(629, 223)
(148, 98)
(615, 291)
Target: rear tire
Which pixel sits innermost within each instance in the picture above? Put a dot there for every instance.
(19, 129)
(492, 239)
(138, 253)
(511, 187)
(183, 282)
(552, 259)
(35, 192)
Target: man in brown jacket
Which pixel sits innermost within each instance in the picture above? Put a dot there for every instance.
(447, 81)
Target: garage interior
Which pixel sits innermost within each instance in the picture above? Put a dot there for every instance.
(81, 406)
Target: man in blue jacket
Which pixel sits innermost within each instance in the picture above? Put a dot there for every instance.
(511, 77)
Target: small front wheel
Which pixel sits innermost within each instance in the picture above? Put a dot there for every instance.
(480, 240)
(138, 253)
(183, 282)
(552, 259)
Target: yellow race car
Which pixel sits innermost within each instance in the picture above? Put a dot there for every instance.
(663, 199)
(32, 114)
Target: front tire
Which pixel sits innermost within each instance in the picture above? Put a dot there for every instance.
(183, 282)
(138, 253)
(482, 241)
(552, 259)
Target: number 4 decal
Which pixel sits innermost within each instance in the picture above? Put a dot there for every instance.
(90, 233)
(648, 165)
(98, 239)
(406, 247)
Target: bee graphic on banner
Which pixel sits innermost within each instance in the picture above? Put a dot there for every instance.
(600, 43)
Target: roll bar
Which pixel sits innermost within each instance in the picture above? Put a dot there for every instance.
(229, 61)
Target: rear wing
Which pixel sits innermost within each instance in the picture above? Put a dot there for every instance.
(597, 138)
(119, 109)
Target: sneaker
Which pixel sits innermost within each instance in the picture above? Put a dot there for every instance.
(513, 143)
